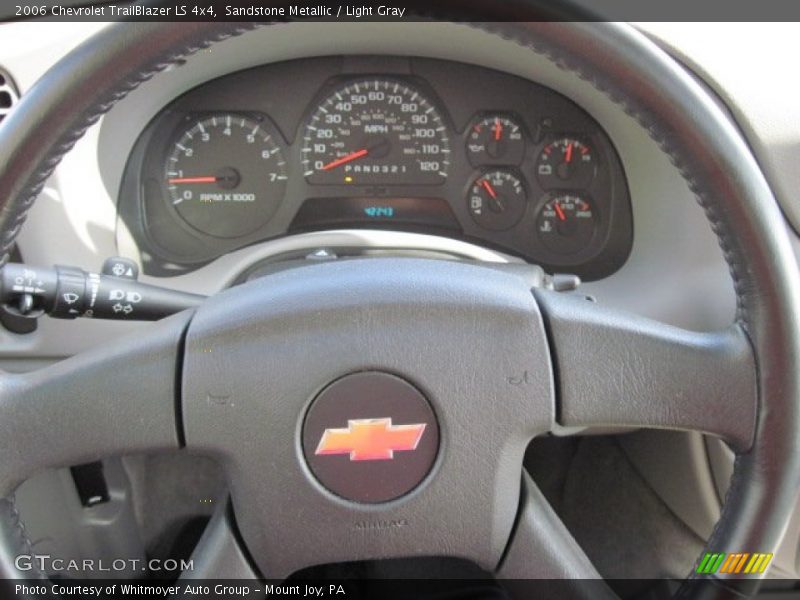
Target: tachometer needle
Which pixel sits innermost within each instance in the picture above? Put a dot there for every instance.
(345, 159)
(193, 180)
(568, 153)
(498, 130)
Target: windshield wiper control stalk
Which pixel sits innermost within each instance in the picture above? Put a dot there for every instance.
(70, 292)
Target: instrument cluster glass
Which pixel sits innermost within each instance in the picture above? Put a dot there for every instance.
(326, 143)
(375, 131)
(225, 175)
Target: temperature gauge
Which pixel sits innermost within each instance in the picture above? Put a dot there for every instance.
(568, 162)
(497, 200)
(495, 140)
(566, 223)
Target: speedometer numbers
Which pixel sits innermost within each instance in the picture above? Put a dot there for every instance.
(225, 175)
(376, 132)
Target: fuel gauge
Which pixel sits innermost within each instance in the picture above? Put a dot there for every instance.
(497, 200)
(566, 162)
(566, 223)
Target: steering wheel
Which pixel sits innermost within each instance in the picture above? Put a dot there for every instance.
(352, 404)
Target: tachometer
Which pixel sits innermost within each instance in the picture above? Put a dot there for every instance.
(377, 132)
(225, 175)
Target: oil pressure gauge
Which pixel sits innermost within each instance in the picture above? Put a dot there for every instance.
(566, 223)
(495, 140)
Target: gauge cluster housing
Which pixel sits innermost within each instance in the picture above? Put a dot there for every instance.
(471, 103)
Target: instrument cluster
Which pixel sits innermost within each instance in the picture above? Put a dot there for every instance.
(394, 143)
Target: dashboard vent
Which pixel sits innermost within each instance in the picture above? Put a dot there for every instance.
(8, 94)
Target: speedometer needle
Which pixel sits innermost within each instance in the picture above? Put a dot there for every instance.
(345, 159)
(193, 180)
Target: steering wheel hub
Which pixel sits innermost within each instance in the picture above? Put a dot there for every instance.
(370, 437)
(309, 458)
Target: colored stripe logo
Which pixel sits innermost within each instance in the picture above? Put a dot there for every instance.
(737, 562)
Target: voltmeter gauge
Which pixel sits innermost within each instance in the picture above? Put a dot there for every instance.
(497, 200)
(566, 223)
(495, 140)
(566, 162)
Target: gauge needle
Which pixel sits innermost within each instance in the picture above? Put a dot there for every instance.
(489, 189)
(559, 212)
(193, 180)
(498, 130)
(493, 194)
(568, 153)
(345, 159)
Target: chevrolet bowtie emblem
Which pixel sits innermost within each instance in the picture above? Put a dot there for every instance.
(370, 439)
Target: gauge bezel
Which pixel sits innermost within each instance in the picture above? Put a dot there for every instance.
(551, 139)
(336, 86)
(585, 196)
(285, 99)
(510, 171)
(497, 162)
(188, 122)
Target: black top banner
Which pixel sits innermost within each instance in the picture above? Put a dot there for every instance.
(402, 10)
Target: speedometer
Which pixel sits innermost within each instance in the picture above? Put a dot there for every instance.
(376, 132)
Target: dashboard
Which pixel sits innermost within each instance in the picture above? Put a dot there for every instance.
(411, 144)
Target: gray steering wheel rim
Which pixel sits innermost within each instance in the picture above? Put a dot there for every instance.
(616, 59)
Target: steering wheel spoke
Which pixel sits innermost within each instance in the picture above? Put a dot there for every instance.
(219, 554)
(618, 369)
(542, 549)
(351, 421)
(117, 399)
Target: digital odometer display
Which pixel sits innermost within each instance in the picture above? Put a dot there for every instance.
(383, 213)
(376, 132)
